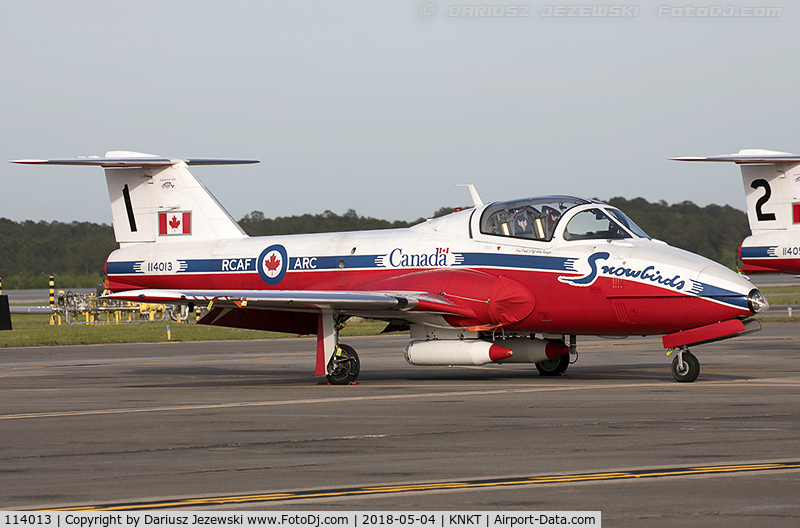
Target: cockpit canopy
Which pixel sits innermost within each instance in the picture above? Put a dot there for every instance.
(537, 218)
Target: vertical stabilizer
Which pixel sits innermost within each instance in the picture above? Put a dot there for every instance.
(773, 196)
(155, 199)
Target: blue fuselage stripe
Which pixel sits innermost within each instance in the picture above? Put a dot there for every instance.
(248, 264)
(757, 251)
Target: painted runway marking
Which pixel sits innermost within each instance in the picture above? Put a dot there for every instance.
(92, 412)
(384, 397)
(423, 487)
(127, 363)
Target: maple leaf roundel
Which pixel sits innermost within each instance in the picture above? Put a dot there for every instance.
(272, 264)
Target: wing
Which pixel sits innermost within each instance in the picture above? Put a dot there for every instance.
(362, 303)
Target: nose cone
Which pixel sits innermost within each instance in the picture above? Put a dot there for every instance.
(728, 287)
(757, 301)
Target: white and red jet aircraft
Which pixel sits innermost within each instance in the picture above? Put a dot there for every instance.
(772, 188)
(512, 281)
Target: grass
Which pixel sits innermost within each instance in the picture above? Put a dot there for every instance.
(782, 295)
(35, 330)
(780, 300)
(766, 290)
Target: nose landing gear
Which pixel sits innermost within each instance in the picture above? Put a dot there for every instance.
(685, 367)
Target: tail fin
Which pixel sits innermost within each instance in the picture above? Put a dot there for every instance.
(771, 185)
(155, 199)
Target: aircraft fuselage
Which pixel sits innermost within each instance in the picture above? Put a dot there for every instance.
(625, 286)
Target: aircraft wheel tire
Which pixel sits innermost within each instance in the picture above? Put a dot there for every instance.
(553, 366)
(345, 366)
(687, 370)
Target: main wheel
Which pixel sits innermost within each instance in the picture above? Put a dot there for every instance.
(686, 370)
(344, 366)
(553, 366)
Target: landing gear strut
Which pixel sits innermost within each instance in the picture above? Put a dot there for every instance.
(685, 366)
(344, 366)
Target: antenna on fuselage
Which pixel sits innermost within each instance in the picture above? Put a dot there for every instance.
(476, 199)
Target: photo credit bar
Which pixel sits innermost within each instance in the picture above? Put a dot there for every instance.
(299, 519)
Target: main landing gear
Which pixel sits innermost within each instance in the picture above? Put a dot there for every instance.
(344, 366)
(336, 361)
(685, 367)
(558, 365)
(553, 366)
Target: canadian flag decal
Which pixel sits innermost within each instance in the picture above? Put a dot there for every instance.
(175, 223)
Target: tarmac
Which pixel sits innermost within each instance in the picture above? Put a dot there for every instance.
(246, 426)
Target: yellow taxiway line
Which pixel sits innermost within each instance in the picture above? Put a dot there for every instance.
(439, 486)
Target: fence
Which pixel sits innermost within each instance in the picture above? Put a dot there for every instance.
(80, 308)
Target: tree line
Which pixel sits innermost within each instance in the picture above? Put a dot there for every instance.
(75, 252)
(713, 231)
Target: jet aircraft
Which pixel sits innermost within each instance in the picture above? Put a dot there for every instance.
(772, 189)
(507, 282)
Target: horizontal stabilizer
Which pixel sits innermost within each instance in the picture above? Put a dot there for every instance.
(134, 161)
(748, 156)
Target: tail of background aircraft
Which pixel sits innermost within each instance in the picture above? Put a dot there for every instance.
(155, 199)
(771, 185)
(772, 188)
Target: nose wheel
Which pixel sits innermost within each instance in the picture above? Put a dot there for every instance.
(685, 367)
(344, 366)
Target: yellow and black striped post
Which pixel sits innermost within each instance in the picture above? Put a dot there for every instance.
(52, 300)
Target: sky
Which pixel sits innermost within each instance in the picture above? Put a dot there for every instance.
(383, 107)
